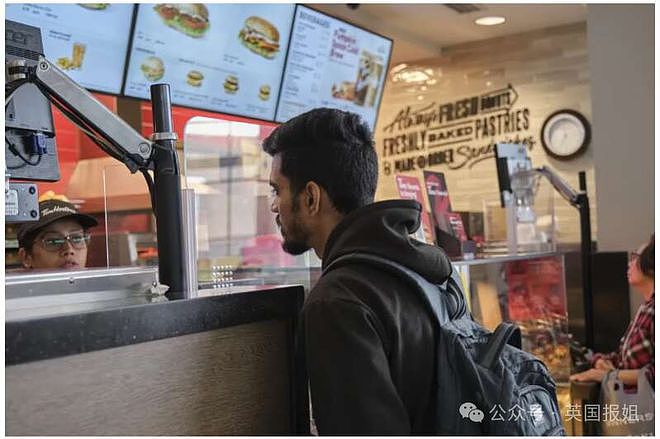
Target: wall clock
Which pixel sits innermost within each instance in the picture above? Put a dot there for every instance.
(565, 134)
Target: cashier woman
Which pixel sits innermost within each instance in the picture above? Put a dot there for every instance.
(59, 239)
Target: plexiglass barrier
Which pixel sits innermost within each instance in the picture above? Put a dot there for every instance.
(130, 230)
(238, 242)
(528, 225)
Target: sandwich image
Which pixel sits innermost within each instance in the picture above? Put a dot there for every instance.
(264, 92)
(152, 68)
(94, 6)
(190, 18)
(231, 84)
(260, 36)
(194, 78)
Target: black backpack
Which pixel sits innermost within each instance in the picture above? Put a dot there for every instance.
(485, 386)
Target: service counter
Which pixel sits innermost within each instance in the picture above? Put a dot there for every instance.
(223, 363)
(103, 352)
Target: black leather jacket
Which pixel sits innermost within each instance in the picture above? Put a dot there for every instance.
(369, 339)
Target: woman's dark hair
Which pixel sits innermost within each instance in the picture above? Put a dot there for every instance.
(646, 258)
(331, 147)
(28, 241)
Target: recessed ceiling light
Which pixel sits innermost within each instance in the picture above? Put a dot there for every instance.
(489, 21)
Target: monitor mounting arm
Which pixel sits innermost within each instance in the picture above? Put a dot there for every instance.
(122, 142)
(580, 201)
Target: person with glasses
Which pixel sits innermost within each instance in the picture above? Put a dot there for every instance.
(58, 240)
(637, 346)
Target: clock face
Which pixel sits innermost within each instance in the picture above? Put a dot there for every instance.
(565, 134)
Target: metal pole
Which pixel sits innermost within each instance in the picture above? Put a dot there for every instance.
(585, 243)
(167, 188)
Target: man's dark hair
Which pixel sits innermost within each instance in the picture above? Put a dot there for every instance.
(647, 258)
(331, 147)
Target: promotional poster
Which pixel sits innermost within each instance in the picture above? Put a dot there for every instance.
(410, 189)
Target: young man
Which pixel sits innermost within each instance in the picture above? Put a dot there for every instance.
(369, 339)
(58, 240)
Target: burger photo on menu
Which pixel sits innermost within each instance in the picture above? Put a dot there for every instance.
(152, 68)
(260, 36)
(264, 92)
(195, 78)
(190, 18)
(231, 84)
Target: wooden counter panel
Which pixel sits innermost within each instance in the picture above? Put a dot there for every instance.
(229, 381)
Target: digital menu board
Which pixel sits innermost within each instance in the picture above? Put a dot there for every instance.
(333, 64)
(88, 41)
(219, 57)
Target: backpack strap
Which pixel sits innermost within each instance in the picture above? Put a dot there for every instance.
(505, 333)
(446, 307)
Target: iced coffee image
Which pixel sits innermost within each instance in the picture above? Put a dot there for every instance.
(369, 74)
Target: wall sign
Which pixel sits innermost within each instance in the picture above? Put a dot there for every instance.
(457, 134)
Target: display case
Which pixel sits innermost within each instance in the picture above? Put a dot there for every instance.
(530, 291)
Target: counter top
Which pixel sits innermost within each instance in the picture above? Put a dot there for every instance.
(40, 338)
(503, 258)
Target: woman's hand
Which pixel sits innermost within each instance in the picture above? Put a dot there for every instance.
(595, 375)
(603, 364)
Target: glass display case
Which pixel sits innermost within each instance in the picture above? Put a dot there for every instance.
(530, 291)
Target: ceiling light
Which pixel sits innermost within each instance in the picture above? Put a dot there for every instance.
(411, 75)
(398, 68)
(420, 98)
(489, 21)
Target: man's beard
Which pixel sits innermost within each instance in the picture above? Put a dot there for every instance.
(295, 239)
(294, 247)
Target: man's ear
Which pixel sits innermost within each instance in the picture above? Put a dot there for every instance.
(25, 257)
(312, 198)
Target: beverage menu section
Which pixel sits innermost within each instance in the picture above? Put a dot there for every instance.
(333, 64)
(88, 41)
(220, 57)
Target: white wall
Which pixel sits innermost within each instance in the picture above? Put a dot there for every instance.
(620, 39)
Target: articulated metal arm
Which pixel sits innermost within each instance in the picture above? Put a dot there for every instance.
(122, 142)
(120, 139)
(560, 185)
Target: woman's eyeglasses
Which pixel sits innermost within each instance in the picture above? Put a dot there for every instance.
(634, 256)
(78, 241)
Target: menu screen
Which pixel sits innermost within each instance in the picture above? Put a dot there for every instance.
(88, 41)
(333, 64)
(219, 57)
